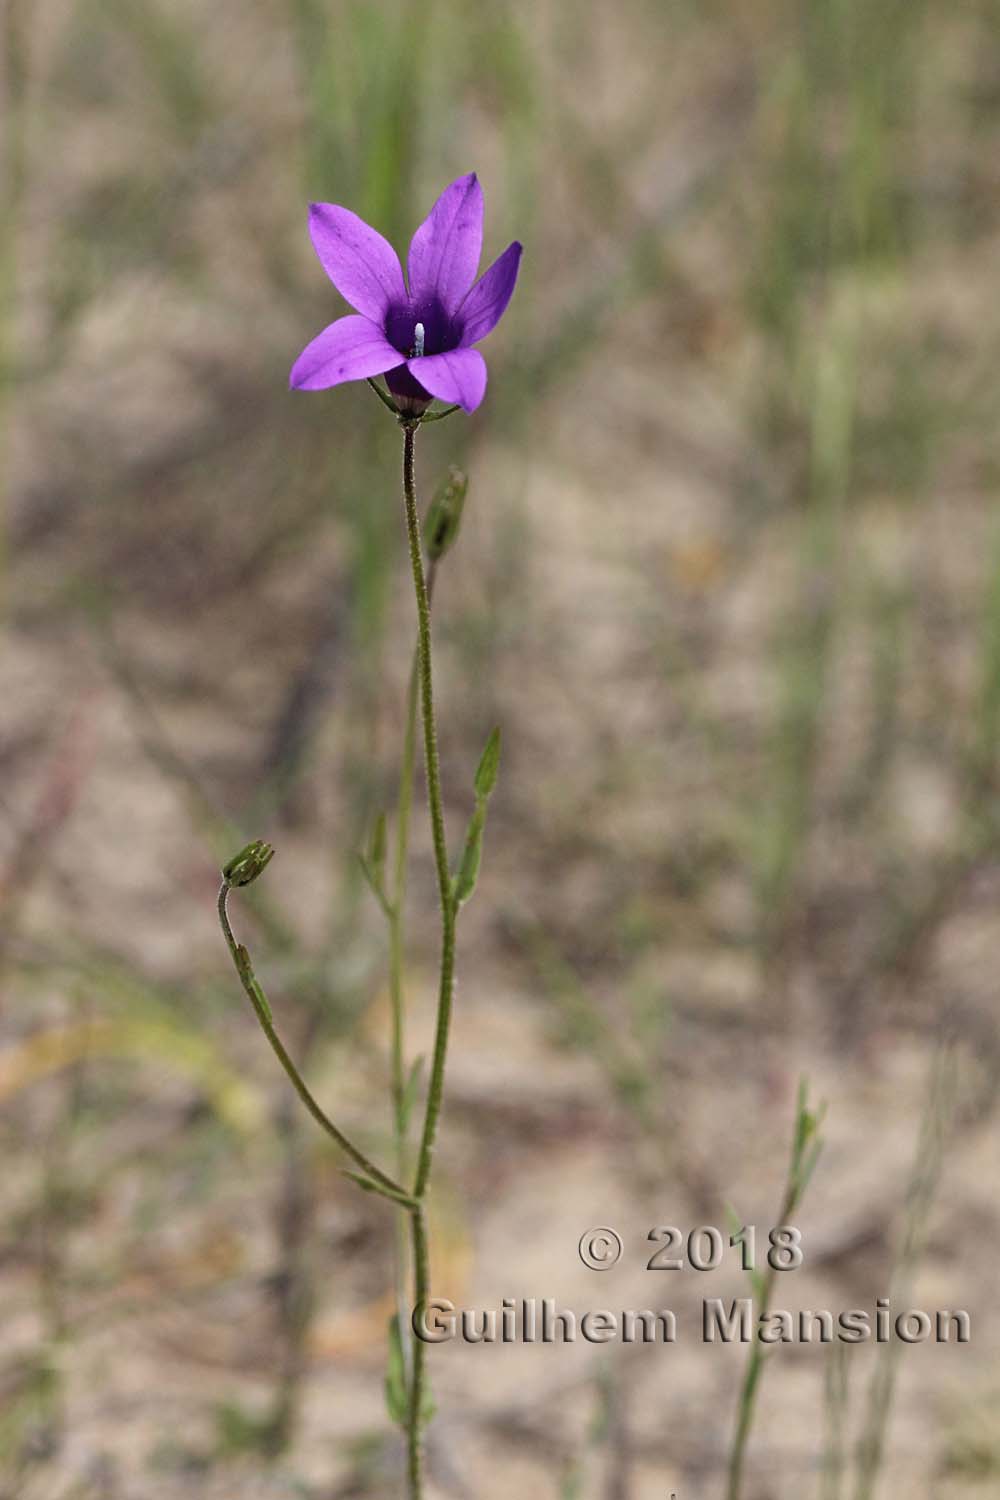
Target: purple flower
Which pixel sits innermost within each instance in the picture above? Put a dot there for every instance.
(420, 339)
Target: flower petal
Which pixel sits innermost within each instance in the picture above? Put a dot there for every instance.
(444, 252)
(459, 376)
(361, 264)
(350, 349)
(487, 302)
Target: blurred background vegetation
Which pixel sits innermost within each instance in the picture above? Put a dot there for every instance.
(730, 580)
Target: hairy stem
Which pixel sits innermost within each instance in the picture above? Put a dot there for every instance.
(396, 908)
(414, 1433)
(433, 771)
(396, 914)
(435, 1088)
(397, 922)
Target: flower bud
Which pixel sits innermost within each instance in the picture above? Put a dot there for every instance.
(244, 867)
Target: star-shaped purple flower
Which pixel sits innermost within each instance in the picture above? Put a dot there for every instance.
(420, 339)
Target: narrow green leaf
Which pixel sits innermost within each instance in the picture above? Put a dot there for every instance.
(444, 514)
(809, 1167)
(468, 870)
(368, 1186)
(489, 765)
(368, 872)
(364, 1183)
(377, 846)
(385, 400)
(374, 880)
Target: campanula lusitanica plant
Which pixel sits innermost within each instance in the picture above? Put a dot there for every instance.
(418, 333)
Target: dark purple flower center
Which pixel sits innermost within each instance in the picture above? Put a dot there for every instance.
(440, 331)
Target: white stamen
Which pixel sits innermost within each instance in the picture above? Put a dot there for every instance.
(418, 341)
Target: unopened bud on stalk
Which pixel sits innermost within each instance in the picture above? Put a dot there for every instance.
(244, 867)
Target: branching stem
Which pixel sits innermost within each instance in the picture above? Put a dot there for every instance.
(380, 1182)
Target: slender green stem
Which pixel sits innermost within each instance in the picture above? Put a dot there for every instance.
(241, 959)
(414, 1433)
(395, 909)
(432, 766)
(426, 680)
(397, 920)
(435, 1090)
(755, 1360)
(806, 1147)
(396, 915)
